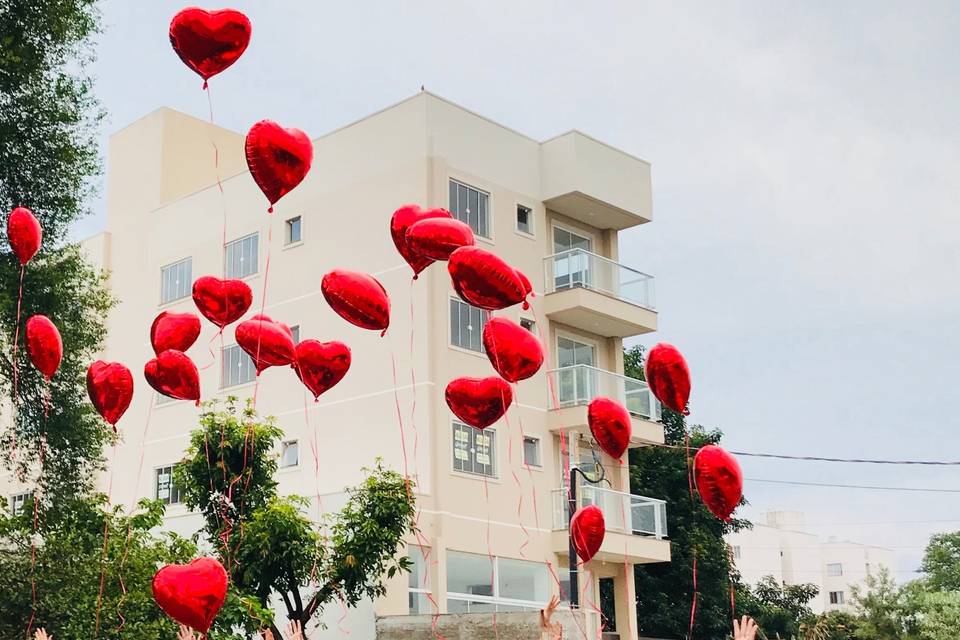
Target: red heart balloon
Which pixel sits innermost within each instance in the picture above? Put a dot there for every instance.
(358, 298)
(525, 281)
(484, 280)
(719, 480)
(479, 402)
(278, 158)
(514, 352)
(191, 594)
(437, 238)
(587, 529)
(321, 365)
(110, 387)
(176, 331)
(209, 41)
(24, 233)
(610, 425)
(174, 374)
(222, 302)
(44, 345)
(667, 374)
(268, 342)
(405, 217)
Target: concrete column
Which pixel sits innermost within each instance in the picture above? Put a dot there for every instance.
(625, 590)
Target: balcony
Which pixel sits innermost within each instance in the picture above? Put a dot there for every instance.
(594, 183)
(636, 525)
(573, 388)
(595, 294)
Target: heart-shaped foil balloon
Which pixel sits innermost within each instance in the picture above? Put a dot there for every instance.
(222, 302)
(110, 387)
(514, 352)
(668, 375)
(484, 280)
(437, 238)
(24, 234)
(278, 158)
(587, 530)
(44, 345)
(268, 342)
(177, 331)
(174, 374)
(719, 480)
(192, 594)
(358, 298)
(321, 365)
(209, 41)
(610, 425)
(402, 219)
(479, 402)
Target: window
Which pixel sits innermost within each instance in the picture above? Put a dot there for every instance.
(466, 325)
(470, 206)
(295, 330)
(474, 586)
(834, 569)
(236, 367)
(241, 256)
(418, 580)
(19, 501)
(836, 597)
(737, 552)
(868, 568)
(292, 231)
(167, 491)
(290, 454)
(524, 219)
(176, 280)
(531, 451)
(528, 324)
(474, 450)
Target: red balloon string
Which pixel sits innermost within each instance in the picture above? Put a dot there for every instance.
(493, 574)
(589, 601)
(33, 541)
(106, 533)
(343, 615)
(315, 451)
(564, 596)
(693, 605)
(523, 436)
(628, 529)
(16, 340)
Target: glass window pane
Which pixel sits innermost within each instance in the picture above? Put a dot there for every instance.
(453, 199)
(237, 367)
(522, 580)
(291, 454)
(484, 223)
(176, 281)
(242, 257)
(293, 230)
(469, 573)
(454, 322)
(473, 211)
(531, 451)
(462, 205)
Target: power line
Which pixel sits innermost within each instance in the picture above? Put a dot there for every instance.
(781, 456)
(853, 486)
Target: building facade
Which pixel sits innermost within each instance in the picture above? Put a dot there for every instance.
(782, 549)
(552, 209)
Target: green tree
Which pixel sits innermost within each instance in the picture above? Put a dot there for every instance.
(884, 609)
(665, 590)
(271, 547)
(781, 610)
(941, 562)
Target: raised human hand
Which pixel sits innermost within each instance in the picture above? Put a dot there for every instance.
(744, 629)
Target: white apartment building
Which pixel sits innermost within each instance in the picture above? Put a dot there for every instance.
(550, 208)
(782, 549)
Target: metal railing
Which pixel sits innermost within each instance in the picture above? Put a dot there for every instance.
(580, 268)
(644, 516)
(580, 384)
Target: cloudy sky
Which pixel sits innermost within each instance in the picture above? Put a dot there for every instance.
(805, 163)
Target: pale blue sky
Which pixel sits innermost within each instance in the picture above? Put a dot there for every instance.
(805, 163)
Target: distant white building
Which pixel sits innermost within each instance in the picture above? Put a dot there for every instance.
(782, 549)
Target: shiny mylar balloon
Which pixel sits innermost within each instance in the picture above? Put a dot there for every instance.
(525, 281)
(269, 343)
(610, 425)
(110, 387)
(278, 158)
(402, 219)
(437, 238)
(191, 594)
(587, 530)
(719, 480)
(484, 280)
(24, 234)
(44, 345)
(209, 41)
(667, 374)
(174, 374)
(479, 402)
(222, 302)
(514, 352)
(321, 365)
(171, 330)
(358, 298)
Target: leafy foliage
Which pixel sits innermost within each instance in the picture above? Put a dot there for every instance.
(941, 562)
(779, 609)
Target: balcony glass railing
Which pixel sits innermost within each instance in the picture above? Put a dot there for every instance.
(622, 512)
(579, 268)
(580, 384)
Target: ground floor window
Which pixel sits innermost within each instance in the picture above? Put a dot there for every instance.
(475, 584)
(418, 580)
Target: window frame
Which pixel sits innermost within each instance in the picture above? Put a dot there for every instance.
(287, 242)
(295, 330)
(189, 289)
(172, 488)
(495, 465)
(24, 497)
(836, 598)
(539, 448)
(223, 361)
(283, 449)
(485, 316)
(830, 569)
(532, 233)
(226, 253)
(495, 601)
(488, 237)
(423, 552)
